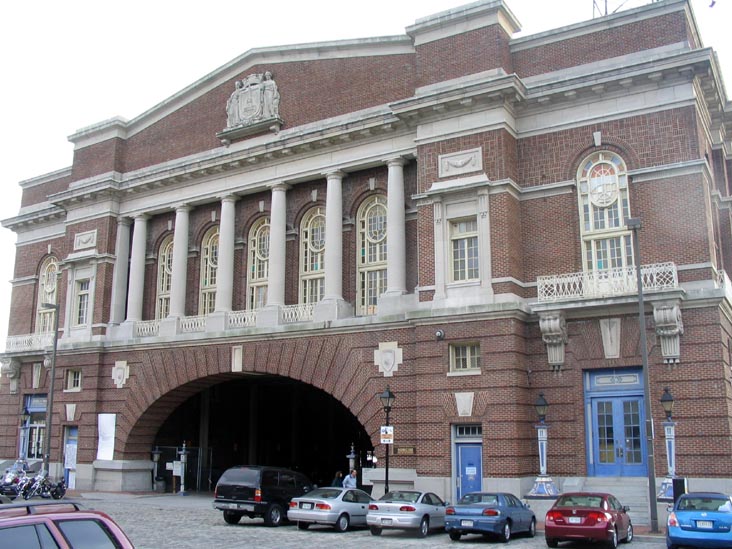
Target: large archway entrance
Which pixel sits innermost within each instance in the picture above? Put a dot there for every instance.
(265, 420)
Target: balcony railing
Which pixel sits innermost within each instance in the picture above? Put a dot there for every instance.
(147, 328)
(610, 283)
(191, 324)
(242, 319)
(28, 342)
(301, 312)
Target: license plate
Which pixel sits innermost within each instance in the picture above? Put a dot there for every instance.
(704, 524)
(385, 521)
(246, 507)
(306, 505)
(575, 520)
(466, 523)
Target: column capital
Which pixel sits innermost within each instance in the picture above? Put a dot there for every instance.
(182, 207)
(141, 217)
(334, 174)
(395, 161)
(124, 221)
(228, 197)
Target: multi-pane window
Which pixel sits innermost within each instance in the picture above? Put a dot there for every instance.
(209, 268)
(81, 308)
(258, 272)
(604, 206)
(371, 254)
(73, 380)
(465, 357)
(464, 249)
(47, 293)
(312, 256)
(165, 276)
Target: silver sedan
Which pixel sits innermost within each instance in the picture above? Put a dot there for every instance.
(336, 507)
(406, 509)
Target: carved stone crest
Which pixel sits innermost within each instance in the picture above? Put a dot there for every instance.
(253, 106)
(388, 357)
(120, 373)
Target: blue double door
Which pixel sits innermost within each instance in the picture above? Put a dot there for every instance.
(618, 441)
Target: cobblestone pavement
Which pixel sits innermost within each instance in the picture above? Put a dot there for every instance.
(155, 521)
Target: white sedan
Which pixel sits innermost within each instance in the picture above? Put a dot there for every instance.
(336, 507)
(406, 510)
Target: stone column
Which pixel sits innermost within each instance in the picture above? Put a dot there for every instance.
(225, 272)
(121, 269)
(180, 262)
(333, 305)
(137, 269)
(396, 259)
(271, 314)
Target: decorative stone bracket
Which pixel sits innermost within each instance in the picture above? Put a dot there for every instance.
(554, 334)
(11, 369)
(669, 327)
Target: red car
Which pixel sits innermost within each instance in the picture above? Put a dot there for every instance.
(61, 524)
(587, 516)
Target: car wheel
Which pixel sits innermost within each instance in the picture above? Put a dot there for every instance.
(551, 542)
(629, 534)
(230, 517)
(532, 528)
(455, 536)
(273, 515)
(303, 525)
(424, 527)
(506, 532)
(613, 541)
(342, 523)
(375, 531)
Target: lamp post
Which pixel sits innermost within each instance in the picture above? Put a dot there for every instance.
(634, 224)
(24, 417)
(387, 400)
(52, 381)
(666, 493)
(543, 485)
(183, 460)
(156, 458)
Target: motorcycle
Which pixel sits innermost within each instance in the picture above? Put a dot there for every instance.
(14, 477)
(41, 486)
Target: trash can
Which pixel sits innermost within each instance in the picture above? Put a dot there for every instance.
(160, 484)
(680, 488)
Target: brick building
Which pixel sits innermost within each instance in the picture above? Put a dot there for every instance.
(247, 265)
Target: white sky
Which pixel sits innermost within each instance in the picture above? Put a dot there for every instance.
(66, 65)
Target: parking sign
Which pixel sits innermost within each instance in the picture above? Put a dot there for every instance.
(387, 434)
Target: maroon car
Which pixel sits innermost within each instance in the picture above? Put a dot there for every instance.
(588, 516)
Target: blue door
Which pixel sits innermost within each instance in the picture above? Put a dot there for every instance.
(618, 443)
(470, 469)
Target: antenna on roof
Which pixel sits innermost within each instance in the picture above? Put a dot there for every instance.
(601, 8)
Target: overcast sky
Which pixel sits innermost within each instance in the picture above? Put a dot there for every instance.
(67, 65)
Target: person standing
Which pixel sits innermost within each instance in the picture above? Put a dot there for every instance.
(350, 480)
(337, 479)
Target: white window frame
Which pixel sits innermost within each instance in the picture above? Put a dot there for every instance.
(312, 256)
(165, 278)
(72, 380)
(82, 300)
(604, 204)
(47, 293)
(468, 241)
(371, 254)
(209, 271)
(467, 353)
(258, 264)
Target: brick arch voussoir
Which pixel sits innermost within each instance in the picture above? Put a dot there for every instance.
(609, 143)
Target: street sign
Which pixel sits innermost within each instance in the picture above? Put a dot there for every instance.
(387, 434)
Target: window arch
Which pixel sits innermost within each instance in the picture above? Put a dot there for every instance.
(604, 206)
(312, 256)
(47, 293)
(258, 271)
(165, 276)
(209, 268)
(371, 254)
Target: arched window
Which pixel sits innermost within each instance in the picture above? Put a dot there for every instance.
(209, 267)
(165, 275)
(603, 203)
(312, 256)
(371, 254)
(258, 271)
(47, 293)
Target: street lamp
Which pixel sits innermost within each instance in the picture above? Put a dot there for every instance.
(387, 400)
(156, 458)
(666, 493)
(544, 486)
(24, 418)
(634, 224)
(183, 460)
(49, 400)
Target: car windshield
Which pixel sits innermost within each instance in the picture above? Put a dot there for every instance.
(490, 499)
(579, 501)
(408, 497)
(324, 493)
(705, 504)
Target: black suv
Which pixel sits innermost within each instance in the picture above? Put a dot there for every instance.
(257, 491)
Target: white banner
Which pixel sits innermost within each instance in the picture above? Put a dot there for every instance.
(107, 425)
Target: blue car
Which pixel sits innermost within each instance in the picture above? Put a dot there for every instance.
(489, 513)
(700, 519)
